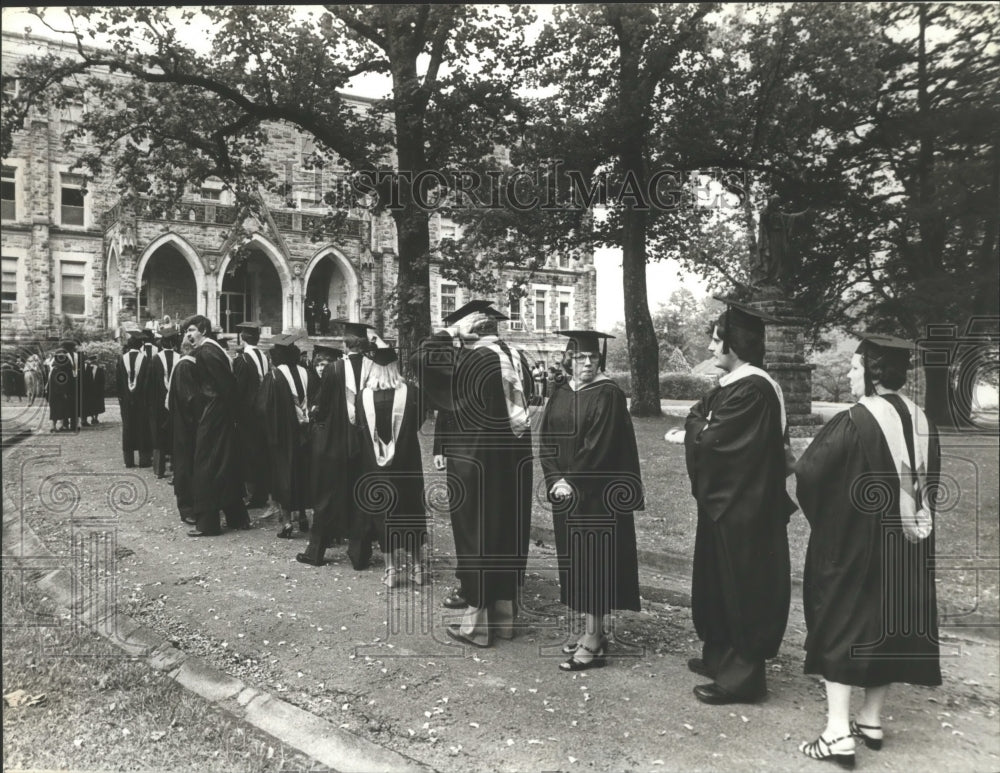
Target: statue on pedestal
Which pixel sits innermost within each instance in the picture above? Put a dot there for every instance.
(777, 257)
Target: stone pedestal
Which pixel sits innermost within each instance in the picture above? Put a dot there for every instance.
(785, 360)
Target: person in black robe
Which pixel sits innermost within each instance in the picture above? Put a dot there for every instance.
(390, 491)
(324, 319)
(160, 425)
(132, 373)
(595, 485)
(333, 449)
(250, 367)
(866, 484)
(434, 366)
(353, 371)
(283, 411)
(492, 460)
(216, 482)
(11, 372)
(182, 398)
(735, 447)
(93, 390)
(71, 392)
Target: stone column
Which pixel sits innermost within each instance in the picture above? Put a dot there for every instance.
(785, 360)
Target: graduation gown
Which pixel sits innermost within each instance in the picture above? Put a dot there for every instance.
(160, 426)
(334, 456)
(133, 402)
(249, 373)
(741, 586)
(217, 482)
(491, 513)
(869, 595)
(288, 440)
(391, 498)
(590, 432)
(63, 404)
(93, 390)
(181, 404)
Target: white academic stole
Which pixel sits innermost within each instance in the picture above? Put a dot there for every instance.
(384, 452)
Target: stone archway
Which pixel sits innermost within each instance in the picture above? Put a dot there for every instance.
(265, 284)
(331, 280)
(179, 274)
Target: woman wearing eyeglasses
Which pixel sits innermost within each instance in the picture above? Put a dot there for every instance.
(594, 483)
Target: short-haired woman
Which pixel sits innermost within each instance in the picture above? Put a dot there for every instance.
(867, 486)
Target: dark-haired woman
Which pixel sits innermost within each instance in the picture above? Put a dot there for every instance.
(595, 485)
(866, 485)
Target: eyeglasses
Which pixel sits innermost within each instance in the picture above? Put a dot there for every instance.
(592, 357)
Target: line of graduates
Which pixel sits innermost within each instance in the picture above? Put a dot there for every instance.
(74, 385)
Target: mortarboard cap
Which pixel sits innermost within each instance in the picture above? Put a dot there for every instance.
(473, 307)
(383, 355)
(358, 329)
(742, 316)
(883, 344)
(327, 351)
(285, 339)
(67, 343)
(588, 341)
(249, 327)
(168, 331)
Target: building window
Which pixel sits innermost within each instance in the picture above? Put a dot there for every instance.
(448, 231)
(9, 193)
(72, 297)
(8, 301)
(72, 200)
(565, 304)
(539, 309)
(449, 299)
(211, 194)
(515, 314)
(10, 86)
(563, 260)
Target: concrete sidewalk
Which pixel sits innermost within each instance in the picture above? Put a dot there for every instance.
(328, 655)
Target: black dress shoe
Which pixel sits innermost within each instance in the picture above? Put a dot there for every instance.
(196, 533)
(305, 558)
(697, 666)
(714, 695)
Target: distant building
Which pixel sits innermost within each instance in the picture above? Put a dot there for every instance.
(72, 252)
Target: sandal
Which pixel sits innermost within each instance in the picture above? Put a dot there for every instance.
(286, 531)
(858, 731)
(419, 575)
(598, 660)
(821, 749)
(391, 577)
(569, 649)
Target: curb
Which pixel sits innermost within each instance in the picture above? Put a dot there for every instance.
(311, 735)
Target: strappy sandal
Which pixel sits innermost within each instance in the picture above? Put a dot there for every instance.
(858, 731)
(569, 649)
(598, 660)
(821, 749)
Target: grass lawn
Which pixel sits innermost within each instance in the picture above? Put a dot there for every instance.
(102, 711)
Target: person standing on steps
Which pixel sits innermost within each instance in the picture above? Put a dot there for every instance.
(735, 440)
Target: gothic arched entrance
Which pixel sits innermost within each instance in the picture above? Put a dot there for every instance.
(331, 283)
(252, 292)
(167, 286)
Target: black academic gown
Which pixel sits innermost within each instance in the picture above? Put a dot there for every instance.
(160, 426)
(288, 442)
(184, 421)
(492, 512)
(391, 498)
(591, 433)
(334, 451)
(217, 480)
(62, 390)
(134, 408)
(740, 589)
(93, 390)
(249, 428)
(869, 595)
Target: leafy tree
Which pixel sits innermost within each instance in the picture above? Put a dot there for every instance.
(829, 380)
(682, 323)
(613, 68)
(183, 116)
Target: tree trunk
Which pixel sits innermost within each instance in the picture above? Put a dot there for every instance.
(413, 308)
(643, 350)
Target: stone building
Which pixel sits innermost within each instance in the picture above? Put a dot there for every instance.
(73, 255)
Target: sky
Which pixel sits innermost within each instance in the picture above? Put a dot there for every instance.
(662, 277)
